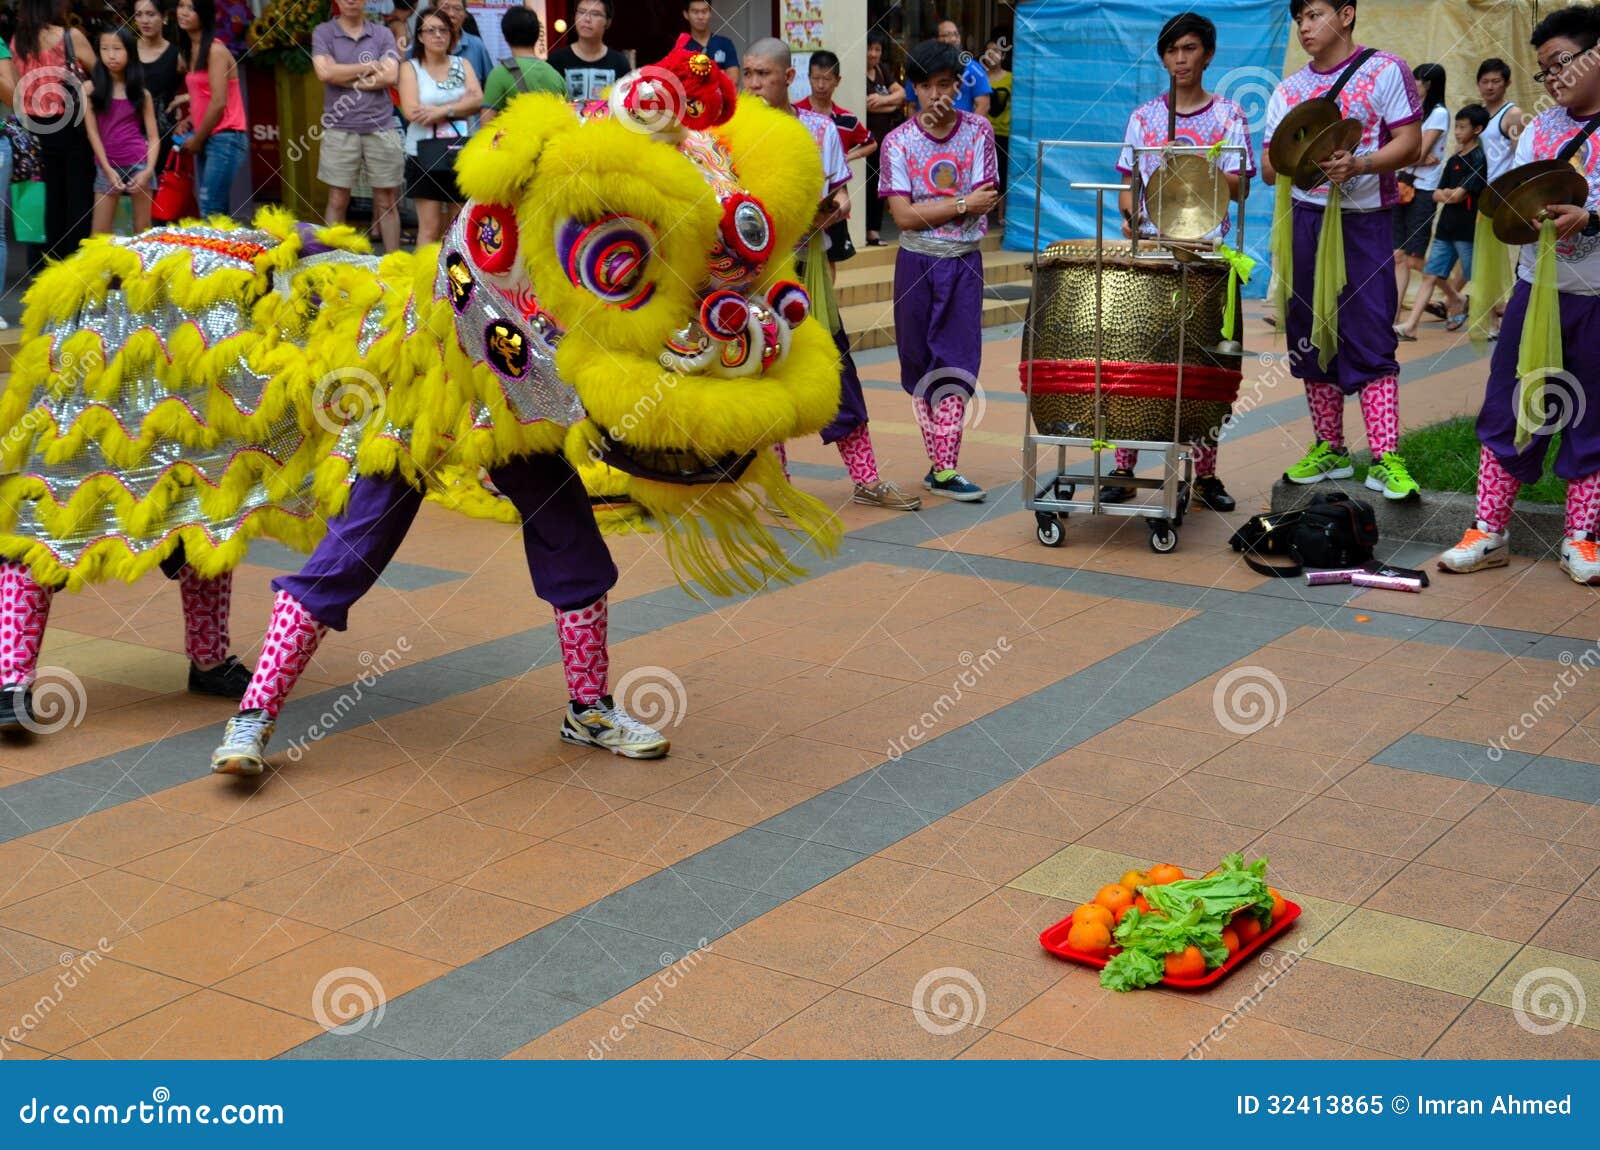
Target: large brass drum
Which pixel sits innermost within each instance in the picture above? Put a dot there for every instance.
(1140, 305)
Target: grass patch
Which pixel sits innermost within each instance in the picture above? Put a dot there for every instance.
(1444, 457)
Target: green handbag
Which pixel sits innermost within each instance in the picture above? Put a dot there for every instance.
(27, 212)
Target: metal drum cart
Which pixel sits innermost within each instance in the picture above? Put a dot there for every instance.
(1123, 344)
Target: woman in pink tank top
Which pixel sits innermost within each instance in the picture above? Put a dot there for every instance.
(215, 128)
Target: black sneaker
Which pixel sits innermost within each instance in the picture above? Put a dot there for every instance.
(16, 709)
(1117, 494)
(1209, 492)
(227, 680)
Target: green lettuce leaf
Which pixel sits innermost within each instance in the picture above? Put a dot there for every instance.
(1131, 970)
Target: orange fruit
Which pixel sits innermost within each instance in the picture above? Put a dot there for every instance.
(1093, 912)
(1248, 928)
(1115, 897)
(1279, 904)
(1089, 937)
(1133, 879)
(1230, 939)
(1163, 873)
(1142, 903)
(1189, 963)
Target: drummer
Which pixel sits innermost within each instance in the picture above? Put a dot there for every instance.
(1186, 44)
(1382, 94)
(1569, 69)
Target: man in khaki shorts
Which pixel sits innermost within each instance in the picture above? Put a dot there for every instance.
(358, 62)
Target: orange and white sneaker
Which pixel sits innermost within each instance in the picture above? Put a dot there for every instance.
(1580, 558)
(1478, 550)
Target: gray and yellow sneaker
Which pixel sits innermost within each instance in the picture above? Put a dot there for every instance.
(244, 744)
(609, 727)
(1323, 461)
(1390, 476)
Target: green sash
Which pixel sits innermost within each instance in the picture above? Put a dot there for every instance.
(1539, 354)
(1330, 281)
(1491, 277)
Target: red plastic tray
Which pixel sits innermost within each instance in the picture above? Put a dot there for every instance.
(1054, 939)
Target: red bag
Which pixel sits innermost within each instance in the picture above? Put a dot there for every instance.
(174, 199)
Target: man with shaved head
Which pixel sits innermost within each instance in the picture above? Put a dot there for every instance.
(768, 72)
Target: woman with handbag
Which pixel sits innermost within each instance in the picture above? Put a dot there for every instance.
(886, 102)
(438, 94)
(214, 132)
(50, 66)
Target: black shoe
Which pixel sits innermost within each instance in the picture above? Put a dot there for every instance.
(16, 709)
(227, 680)
(1117, 494)
(1209, 492)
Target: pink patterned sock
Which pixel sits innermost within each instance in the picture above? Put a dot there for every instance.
(1205, 459)
(1497, 493)
(856, 451)
(206, 604)
(783, 458)
(1583, 505)
(924, 415)
(947, 431)
(1380, 411)
(286, 650)
(584, 655)
(1327, 412)
(1126, 459)
(24, 610)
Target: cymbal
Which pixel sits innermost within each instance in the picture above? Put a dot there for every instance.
(1340, 137)
(1187, 197)
(1516, 200)
(1296, 130)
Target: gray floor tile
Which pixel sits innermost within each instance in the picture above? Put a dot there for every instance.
(584, 961)
(1436, 756)
(925, 787)
(849, 821)
(1560, 778)
(776, 864)
(680, 908)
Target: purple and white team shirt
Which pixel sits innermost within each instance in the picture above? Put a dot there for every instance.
(1220, 121)
(835, 168)
(922, 167)
(1577, 257)
(1382, 94)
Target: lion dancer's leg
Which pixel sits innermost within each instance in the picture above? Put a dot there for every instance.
(24, 611)
(207, 604)
(849, 433)
(573, 572)
(358, 546)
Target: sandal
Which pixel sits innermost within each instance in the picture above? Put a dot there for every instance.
(1435, 309)
(1404, 335)
(1454, 323)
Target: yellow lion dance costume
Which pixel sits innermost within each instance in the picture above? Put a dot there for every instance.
(618, 290)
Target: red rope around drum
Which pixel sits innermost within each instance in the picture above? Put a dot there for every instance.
(1131, 380)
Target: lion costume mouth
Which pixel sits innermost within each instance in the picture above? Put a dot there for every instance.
(682, 468)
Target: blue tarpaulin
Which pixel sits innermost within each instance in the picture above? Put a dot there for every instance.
(1082, 66)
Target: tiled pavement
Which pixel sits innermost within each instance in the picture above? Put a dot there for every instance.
(885, 781)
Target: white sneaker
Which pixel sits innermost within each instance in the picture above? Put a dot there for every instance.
(1580, 558)
(1478, 550)
(609, 727)
(244, 744)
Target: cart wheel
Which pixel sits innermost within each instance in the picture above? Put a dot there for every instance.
(1049, 531)
(1163, 537)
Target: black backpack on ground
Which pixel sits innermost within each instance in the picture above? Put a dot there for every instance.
(1332, 530)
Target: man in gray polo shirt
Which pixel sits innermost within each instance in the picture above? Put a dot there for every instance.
(358, 63)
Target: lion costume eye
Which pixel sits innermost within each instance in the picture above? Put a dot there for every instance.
(608, 258)
(746, 228)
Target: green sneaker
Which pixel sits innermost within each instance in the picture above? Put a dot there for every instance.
(1323, 461)
(1390, 476)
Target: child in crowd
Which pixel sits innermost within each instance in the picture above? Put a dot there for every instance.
(121, 122)
(1465, 175)
(824, 74)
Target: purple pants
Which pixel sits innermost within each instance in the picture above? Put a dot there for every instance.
(852, 403)
(567, 557)
(1367, 305)
(1578, 455)
(938, 318)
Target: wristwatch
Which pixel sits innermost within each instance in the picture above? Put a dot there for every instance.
(1594, 225)
(961, 205)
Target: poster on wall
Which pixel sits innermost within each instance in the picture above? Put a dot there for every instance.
(802, 25)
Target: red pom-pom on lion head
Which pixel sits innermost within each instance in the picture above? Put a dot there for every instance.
(686, 86)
